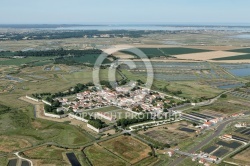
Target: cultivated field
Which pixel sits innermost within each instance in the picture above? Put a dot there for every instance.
(208, 55)
(234, 58)
(123, 55)
(243, 50)
(169, 134)
(163, 52)
(128, 148)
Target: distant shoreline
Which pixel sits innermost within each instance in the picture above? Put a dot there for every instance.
(156, 27)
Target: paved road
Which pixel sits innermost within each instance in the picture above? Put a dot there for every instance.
(206, 141)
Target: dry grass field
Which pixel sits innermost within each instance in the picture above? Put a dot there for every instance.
(9, 144)
(243, 156)
(232, 61)
(43, 156)
(215, 48)
(129, 148)
(240, 102)
(3, 59)
(226, 106)
(204, 56)
(123, 55)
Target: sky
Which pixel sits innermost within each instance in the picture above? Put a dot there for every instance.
(123, 11)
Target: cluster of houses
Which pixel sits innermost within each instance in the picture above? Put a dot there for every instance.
(138, 100)
(205, 121)
(214, 121)
(241, 125)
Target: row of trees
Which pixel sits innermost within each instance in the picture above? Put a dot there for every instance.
(165, 89)
(97, 123)
(41, 95)
(76, 89)
(53, 108)
(56, 52)
(73, 90)
(72, 34)
(124, 122)
(4, 109)
(247, 84)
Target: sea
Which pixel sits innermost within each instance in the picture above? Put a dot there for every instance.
(152, 27)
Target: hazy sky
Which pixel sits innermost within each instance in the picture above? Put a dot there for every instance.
(124, 11)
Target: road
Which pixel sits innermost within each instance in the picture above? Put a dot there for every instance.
(17, 154)
(207, 140)
(211, 101)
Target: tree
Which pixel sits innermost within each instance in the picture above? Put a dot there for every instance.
(56, 103)
(223, 96)
(70, 109)
(47, 108)
(97, 123)
(49, 99)
(247, 84)
(167, 146)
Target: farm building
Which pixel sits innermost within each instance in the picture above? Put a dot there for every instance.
(227, 137)
(171, 153)
(208, 124)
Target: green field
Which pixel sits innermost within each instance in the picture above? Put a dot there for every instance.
(181, 50)
(22, 124)
(150, 52)
(147, 161)
(222, 105)
(7, 54)
(53, 155)
(42, 63)
(99, 156)
(3, 109)
(243, 50)
(158, 52)
(86, 75)
(3, 160)
(88, 58)
(22, 61)
(239, 57)
(44, 152)
(40, 81)
(190, 89)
